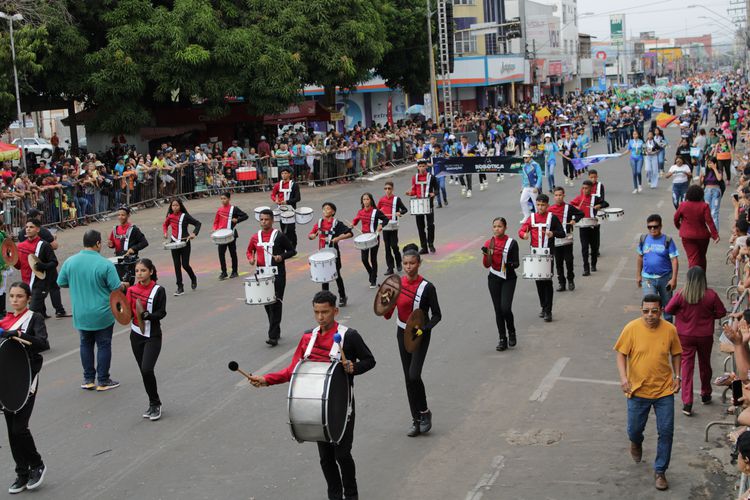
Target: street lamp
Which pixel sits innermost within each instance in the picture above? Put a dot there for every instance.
(11, 18)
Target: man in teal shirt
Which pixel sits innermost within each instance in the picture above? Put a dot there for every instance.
(91, 279)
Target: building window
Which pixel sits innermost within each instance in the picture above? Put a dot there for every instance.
(465, 43)
(463, 2)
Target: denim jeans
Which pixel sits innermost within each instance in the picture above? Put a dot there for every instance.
(636, 164)
(611, 144)
(660, 159)
(679, 189)
(550, 173)
(103, 341)
(712, 196)
(658, 286)
(638, 410)
(442, 195)
(652, 170)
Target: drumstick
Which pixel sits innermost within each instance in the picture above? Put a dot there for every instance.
(235, 367)
(350, 225)
(21, 341)
(337, 339)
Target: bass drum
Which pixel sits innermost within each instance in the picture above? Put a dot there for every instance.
(318, 401)
(15, 374)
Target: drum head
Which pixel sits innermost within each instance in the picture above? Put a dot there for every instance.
(323, 255)
(338, 403)
(15, 372)
(222, 233)
(9, 251)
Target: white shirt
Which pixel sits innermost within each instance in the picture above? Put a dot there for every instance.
(679, 173)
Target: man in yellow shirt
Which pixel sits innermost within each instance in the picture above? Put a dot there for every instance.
(648, 379)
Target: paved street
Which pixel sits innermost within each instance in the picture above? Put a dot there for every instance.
(545, 420)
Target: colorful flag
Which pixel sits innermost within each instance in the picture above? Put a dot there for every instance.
(542, 115)
(581, 163)
(664, 119)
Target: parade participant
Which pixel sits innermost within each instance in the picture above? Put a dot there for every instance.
(145, 339)
(25, 325)
(635, 146)
(318, 345)
(465, 149)
(126, 240)
(531, 184)
(651, 159)
(33, 244)
(227, 217)
(682, 174)
(550, 149)
(542, 228)
(286, 194)
(662, 142)
(175, 228)
(589, 203)
(693, 219)
(436, 151)
(568, 150)
(329, 232)
(657, 265)
(268, 248)
(416, 293)
(423, 185)
(393, 208)
(500, 256)
(568, 215)
(597, 188)
(372, 221)
(5, 272)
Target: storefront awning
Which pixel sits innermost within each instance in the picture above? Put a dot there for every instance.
(309, 111)
(150, 133)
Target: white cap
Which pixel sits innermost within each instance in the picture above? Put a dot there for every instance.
(452, 137)
(527, 154)
(548, 135)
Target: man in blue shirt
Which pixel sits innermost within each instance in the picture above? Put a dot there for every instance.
(657, 262)
(531, 184)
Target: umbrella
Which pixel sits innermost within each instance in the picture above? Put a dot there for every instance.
(9, 152)
(415, 109)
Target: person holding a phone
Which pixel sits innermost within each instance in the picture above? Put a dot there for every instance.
(657, 263)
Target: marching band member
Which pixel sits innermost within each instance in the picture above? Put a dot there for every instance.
(589, 204)
(465, 149)
(416, 293)
(267, 248)
(597, 188)
(126, 240)
(286, 193)
(568, 215)
(393, 208)
(33, 244)
(372, 221)
(227, 217)
(500, 256)
(531, 183)
(145, 339)
(329, 232)
(26, 325)
(175, 228)
(542, 228)
(318, 345)
(424, 185)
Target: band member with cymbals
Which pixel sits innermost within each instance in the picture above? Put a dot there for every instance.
(372, 221)
(416, 293)
(27, 326)
(329, 232)
(500, 256)
(175, 228)
(393, 208)
(267, 248)
(424, 185)
(286, 193)
(33, 244)
(568, 215)
(227, 217)
(126, 240)
(542, 227)
(4, 270)
(589, 204)
(335, 459)
(145, 339)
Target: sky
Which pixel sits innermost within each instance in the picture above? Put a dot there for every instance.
(668, 18)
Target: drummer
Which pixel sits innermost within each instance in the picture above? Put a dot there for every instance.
(335, 459)
(416, 293)
(33, 244)
(227, 217)
(500, 256)
(29, 326)
(568, 215)
(542, 227)
(329, 232)
(268, 248)
(372, 221)
(127, 240)
(393, 208)
(175, 229)
(424, 185)
(589, 204)
(286, 193)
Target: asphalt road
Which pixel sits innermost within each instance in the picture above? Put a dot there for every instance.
(543, 420)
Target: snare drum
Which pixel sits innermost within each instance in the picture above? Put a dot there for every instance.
(259, 290)
(365, 241)
(323, 266)
(614, 214)
(304, 215)
(538, 265)
(319, 399)
(258, 210)
(287, 215)
(419, 206)
(222, 236)
(561, 242)
(391, 226)
(588, 222)
(175, 245)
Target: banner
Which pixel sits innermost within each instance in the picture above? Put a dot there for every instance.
(481, 165)
(581, 163)
(664, 119)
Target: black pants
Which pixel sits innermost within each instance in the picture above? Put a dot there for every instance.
(273, 311)
(426, 238)
(232, 254)
(589, 238)
(22, 445)
(54, 295)
(146, 351)
(412, 364)
(726, 167)
(392, 254)
(370, 261)
(181, 260)
(290, 231)
(339, 279)
(482, 178)
(564, 254)
(568, 169)
(545, 290)
(501, 292)
(38, 294)
(465, 181)
(338, 465)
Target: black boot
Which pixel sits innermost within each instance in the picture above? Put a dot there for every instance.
(414, 429)
(511, 339)
(561, 287)
(425, 422)
(571, 285)
(586, 271)
(502, 344)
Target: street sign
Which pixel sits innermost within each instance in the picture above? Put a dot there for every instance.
(601, 55)
(616, 22)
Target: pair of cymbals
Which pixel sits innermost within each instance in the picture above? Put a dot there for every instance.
(9, 251)
(33, 261)
(118, 302)
(413, 332)
(387, 295)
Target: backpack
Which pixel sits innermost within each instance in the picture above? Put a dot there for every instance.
(667, 241)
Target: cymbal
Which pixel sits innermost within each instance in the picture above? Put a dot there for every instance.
(415, 322)
(9, 251)
(387, 294)
(120, 307)
(33, 261)
(139, 310)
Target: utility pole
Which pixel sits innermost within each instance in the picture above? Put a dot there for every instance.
(445, 72)
(433, 80)
(16, 17)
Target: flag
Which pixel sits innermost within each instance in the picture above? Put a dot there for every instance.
(664, 119)
(542, 115)
(581, 163)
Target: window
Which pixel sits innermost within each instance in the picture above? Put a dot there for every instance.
(465, 43)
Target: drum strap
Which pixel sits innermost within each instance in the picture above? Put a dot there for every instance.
(328, 234)
(179, 229)
(424, 186)
(592, 210)
(146, 332)
(541, 229)
(229, 216)
(334, 354)
(36, 252)
(373, 219)
(417, 301)
(506, 249)
(565, 217)
(286, 192)
(394, 204)
(267, 247)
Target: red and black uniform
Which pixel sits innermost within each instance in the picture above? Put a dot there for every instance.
(502, 263)
(390, 206)
(370, 218)
(327, 230)
(287, 192)
(262, 247)
(48, 264)
(224, 219)
(563, 250)
(590, 236)
(335, 459)
(145, 340)
(176, 228)
(537, 226)
(422, 186)
(124, 238)
(52, 288)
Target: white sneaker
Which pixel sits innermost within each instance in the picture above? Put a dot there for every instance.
(640, 188)
(463, 191)
(468, 193)
(635, 191)
(450, 181)
(481, 187)
(499, 177)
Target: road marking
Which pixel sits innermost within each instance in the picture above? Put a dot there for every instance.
(601, 301)
(589, 380)
(389, 173)
(487, 480)
(540, 394)
(610, 283)
(77, 350)
(660, 204)
(267, 367)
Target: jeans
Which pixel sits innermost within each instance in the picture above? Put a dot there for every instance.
(442, 194)
(638, 410)
(679, 189)
(652, 170)
(636, 164)
(103, 341)
(712, 196)
(612, 144)
(550, 173)
(660, 159)
(658, 286)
